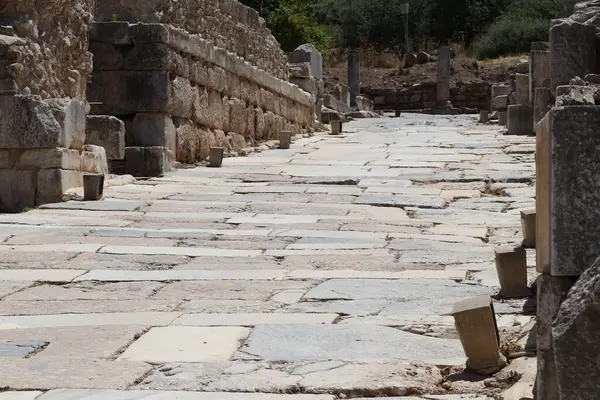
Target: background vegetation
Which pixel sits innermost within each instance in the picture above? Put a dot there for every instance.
(485, 28)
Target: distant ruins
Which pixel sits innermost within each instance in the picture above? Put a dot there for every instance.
(128, 87)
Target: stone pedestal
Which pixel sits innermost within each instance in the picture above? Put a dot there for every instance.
(572, 51)
(354, 77)
(542, 194)
(502, 117)
(478, 332)
(336, 127)
(443, 76)
(539, 67)
(522, 88)
(285, 139)
(215, 159)
(520, 119)
(542, 103)
(528, 227)
(511, 266)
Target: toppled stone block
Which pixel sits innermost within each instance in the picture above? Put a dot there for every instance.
(574, 338)
(574, 134)
(364, 104)
(520, 119)
(309, 53)
(149, 130)
(53, 183)
(106, 131)
(93, 159)
(307, 84)
(18, 190)
(569, 95)
(300, 70)
(147, 161)
(57, 158)
(500, 102)
(572, 51)
(330, 102)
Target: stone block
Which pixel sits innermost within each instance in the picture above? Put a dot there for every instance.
(330, 102)
(300, 70)
(528, 226)
(107, 57)
(57, 158)
(181, 99)
(500, 90)
(93, 159)
(522, 67)
(70, 115)
(551, 292)
(511, 266)
(106, 131)
(539, 70)
(353, 77)
(571, 95)
(336, 127)
(285, 139)
(500, 102)
(574, 197)
(542, 103)
(542, 193)
(29, 122)
(215, 157)
(155, 57)
(574, 338)
(129, 92)
(147, 161)
(149, 33)
(475, 323)
(53, 183)
(18, 190)
(520, 119)
(522, 88)
(364, 104)
(572, 51)
(308, 53)
(307, 84)
(149, 130)
(110, 32)
(341, 93)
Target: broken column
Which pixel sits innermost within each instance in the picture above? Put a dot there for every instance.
(307, 53)
(572, 51)
(520, 115)
(539, 78)
(354, 77)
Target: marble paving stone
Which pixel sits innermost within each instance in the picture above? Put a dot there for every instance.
(360, 343)
(89, 291)
(179, 251)
(186, 344)
(180, 275)
(342, 307)
(44, 307)
(20, 348)
(250, 320)
(402, 201)
(64, 320)
(230, 306)
(407, 296)
(170, 395)
(105, 205)
(53, 275)
(7, 288)
(358, 274)
(312, 233)
(275, 219)
(35, 373)
(28, 395)
(50, 248)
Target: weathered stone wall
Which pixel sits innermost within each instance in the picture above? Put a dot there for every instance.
(48, 54)
(227, 24)
(179, 91)
(474, 95)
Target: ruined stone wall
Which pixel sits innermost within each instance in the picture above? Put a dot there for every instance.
(179, 91)
(43, 47)
(475, 95)
(227, 24)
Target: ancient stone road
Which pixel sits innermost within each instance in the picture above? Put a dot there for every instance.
(327, 269)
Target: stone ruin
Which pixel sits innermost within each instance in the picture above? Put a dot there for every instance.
(118, 86)
(559, 96)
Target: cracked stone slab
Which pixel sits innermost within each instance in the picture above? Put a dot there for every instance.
(402, 201)
(64, 320)
(171, 395)
(29, 395)
(180, 275)
(422, 296)
(19, 349)
(49, 275)
(73, 373)
(7, 288)
(186, 344)
(253, 319)
(352, 343)
(104, 205)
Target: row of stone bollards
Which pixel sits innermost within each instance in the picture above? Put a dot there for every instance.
(475, 319)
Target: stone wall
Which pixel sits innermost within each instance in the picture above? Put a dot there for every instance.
(179, 91)
(227, 24)
(474, 95)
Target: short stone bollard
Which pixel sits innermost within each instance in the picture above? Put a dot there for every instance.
(503, 117)
(93, 187)
(475, 323)
(336, 127)
(511, 266)
(484, 116)
(397, 113)
(285, 139)
(215, 159)
(528, 224)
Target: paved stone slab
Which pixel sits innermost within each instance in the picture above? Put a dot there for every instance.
(218, 319)
(7, 288)
(170, 395)
(105, 205)
(89, 291)
(309, 342)
(19, 349)
(186, 344)
(180, 251)
(180, 275)
(63, 320)
(44, 307)
(402, 201)
(53, 275)
(19, 395)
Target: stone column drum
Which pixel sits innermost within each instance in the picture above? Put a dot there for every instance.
(354, 77)
(443, 76)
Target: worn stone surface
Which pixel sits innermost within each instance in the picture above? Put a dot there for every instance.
(108, 132)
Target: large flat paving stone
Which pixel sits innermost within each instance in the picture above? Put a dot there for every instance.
(364, 343)
(253, 319)
(170, 395)
(422, 296)
(29, 395)
(105, 205)
(402, 201)
(186, 344)
(19, 349)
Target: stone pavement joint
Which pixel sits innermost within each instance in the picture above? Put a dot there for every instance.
(308, 273)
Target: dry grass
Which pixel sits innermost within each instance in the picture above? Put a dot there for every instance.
(508, 61)
(369, 58)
